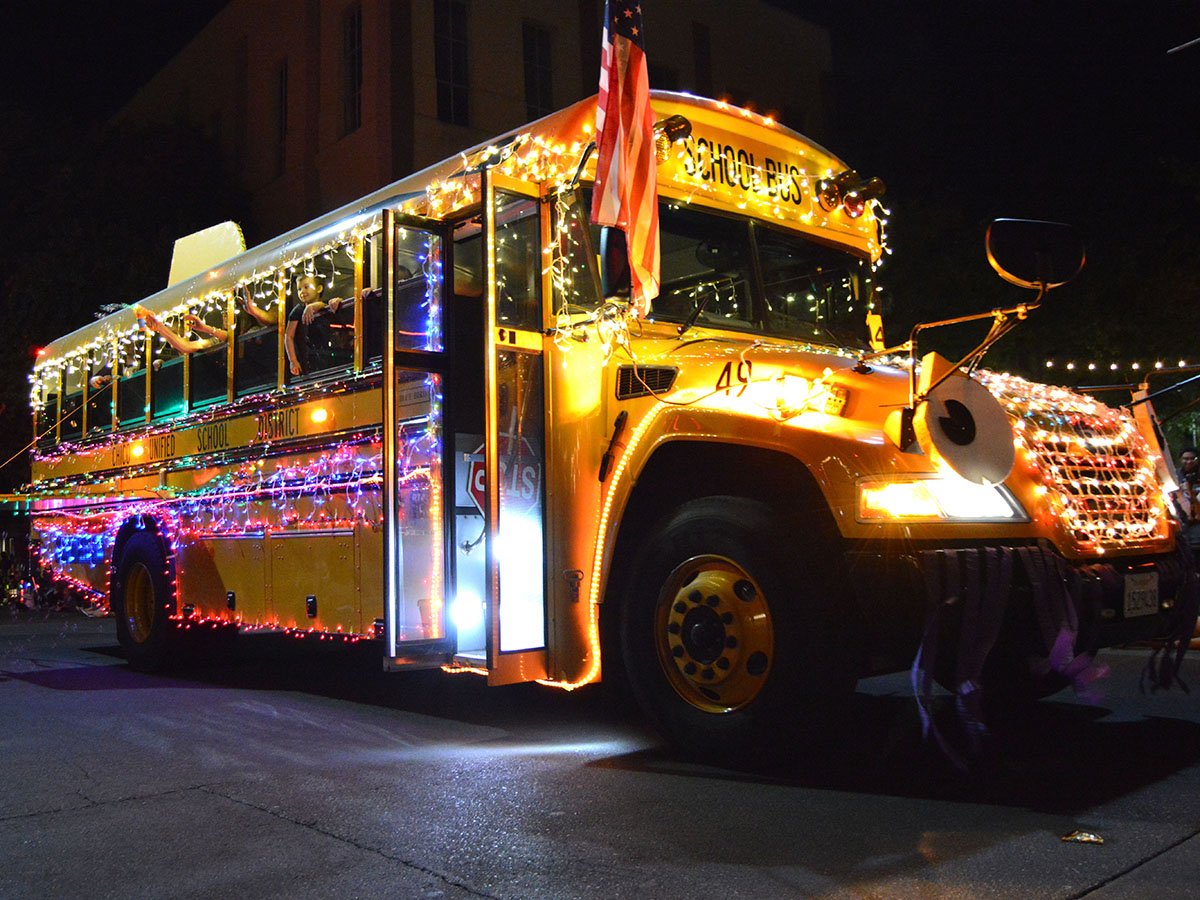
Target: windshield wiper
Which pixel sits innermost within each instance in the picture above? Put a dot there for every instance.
(832, 336)
(695, 313)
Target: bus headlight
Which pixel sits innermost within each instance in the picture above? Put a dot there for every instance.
(936, 499)
(794, 395)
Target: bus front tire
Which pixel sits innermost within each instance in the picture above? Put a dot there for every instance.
(142, 602)
(726, 633)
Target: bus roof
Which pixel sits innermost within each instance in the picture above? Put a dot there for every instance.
(736, 159)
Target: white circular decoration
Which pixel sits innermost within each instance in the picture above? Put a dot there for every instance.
(962, 427)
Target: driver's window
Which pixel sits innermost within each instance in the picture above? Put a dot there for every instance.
(575, 242)
(518, 262)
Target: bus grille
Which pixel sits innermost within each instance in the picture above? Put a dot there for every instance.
(641, 381)
(1097, 469)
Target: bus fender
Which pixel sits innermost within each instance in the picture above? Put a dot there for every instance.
(131, 526)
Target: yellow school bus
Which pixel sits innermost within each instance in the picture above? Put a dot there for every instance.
(429, 418)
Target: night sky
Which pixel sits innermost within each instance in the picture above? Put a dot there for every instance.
(86, 58)
(1066, 110)
(1015, 103)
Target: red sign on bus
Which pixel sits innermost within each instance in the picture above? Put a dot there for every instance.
(520, 476)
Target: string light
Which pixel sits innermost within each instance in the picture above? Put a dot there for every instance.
(1118, 365)
(337, 489)
(264, 284)
(342, 488)
(1091, 462)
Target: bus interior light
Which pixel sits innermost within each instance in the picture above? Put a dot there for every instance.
(467, 612)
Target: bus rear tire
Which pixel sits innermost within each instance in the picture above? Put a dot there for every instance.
(142, 603)
(726, 633)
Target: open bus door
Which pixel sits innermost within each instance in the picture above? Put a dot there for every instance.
(464, 427)
(416, 479)
(506, 477)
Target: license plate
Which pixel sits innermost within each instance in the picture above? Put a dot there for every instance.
(1141, 594)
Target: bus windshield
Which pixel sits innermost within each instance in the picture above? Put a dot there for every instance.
(809, 292)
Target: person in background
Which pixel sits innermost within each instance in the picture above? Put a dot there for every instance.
(1187, 505)
(1187, 498)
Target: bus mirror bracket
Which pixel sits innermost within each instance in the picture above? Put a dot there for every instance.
(1031, 254)
(1035, 255)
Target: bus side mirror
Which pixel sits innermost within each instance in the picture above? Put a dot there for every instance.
(1033, 254)
(614, 262)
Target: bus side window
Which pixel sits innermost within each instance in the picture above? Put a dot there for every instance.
(166, 379)
(467, 391)
(417, 297)
(257, 329)
(47, 413)
(209, 365)
(325, 345)
(99, 398)
(130, 368)
(374, 272)
(578, 288)
(341, 327)
(518, 262)
(72, 423)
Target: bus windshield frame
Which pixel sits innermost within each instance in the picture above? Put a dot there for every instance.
(720, 270)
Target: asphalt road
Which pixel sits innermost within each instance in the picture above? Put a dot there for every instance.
(296, 771)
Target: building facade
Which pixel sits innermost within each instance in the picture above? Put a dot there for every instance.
(315, 102)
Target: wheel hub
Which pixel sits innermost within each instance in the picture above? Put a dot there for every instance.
(703, 634)
(715, 638)
(139, 603)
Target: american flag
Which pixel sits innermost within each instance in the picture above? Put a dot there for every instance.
(626, 193)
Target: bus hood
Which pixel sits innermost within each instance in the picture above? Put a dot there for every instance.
(1087, 466)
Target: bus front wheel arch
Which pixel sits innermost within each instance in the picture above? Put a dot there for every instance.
(143, 600)
(727, 636)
